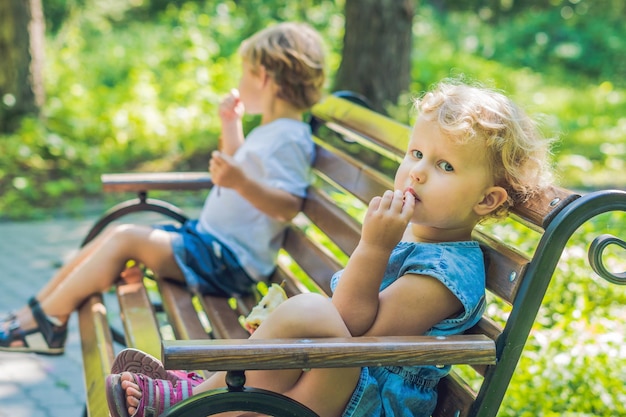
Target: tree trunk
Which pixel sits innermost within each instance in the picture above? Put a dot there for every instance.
(376, 58)
(21, 67)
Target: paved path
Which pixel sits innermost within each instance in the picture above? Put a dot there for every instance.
(30, 253)
(35, 385)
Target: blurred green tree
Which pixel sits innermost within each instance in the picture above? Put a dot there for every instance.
(376, 57)
(21, 67)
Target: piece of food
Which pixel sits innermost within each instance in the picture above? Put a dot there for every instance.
(275, 295)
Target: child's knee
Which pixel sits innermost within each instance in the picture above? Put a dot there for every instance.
(122, 230)
(311, 315)
(123, 235)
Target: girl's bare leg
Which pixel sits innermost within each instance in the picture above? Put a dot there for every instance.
(325, 391)
(99, 264)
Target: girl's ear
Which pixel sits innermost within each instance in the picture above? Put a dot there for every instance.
(494, 197)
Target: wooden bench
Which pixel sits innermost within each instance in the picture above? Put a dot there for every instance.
(357, 154)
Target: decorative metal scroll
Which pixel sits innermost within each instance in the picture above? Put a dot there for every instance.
(596, 253)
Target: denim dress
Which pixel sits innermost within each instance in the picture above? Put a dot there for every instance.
(410, 391)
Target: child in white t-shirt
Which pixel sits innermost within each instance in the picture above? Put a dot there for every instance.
(260, 182)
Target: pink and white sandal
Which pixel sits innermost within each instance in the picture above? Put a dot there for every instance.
(139, 362)
(157, 395)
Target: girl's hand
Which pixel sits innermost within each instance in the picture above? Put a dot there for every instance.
(231, 108)
(386, 219)
(225, 172)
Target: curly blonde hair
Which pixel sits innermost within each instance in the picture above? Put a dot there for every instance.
(293, 55)
(518, 153)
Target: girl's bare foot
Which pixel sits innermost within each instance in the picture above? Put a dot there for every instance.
(129, 393)
(133, 393)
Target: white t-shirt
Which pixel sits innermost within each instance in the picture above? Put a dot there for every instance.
(279, 155)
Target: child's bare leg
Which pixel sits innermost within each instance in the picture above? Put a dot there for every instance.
(100, 264)
(23, 314)
(97, 272)
(68, 267)
(302, 316)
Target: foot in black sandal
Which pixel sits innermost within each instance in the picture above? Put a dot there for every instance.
(46, 338)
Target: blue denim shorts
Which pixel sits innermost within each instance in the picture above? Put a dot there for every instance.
(388, 391)
(209, 266)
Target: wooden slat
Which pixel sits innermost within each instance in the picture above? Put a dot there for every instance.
(290, 282)
(389, 134)
(338, 225)
(354, 176)
(178, 304)
(487, 327)
(223, 355)
(97, 349)
(140, 326)
(506, 266)
(454, 397)
(224, 320)
(144, 181)
(315, 260)
(540, 210)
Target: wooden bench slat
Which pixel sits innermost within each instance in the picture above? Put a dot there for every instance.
(140, 326)
(505, 266)
(339, 226)
(455, 397)
(350, 174)
(145, 181)
(178, 305)
(539, 210)
(224, 320)
(489, 328)
(389, 134)
(223, 355)
(290, 282)
(97, 349)
(311, 257)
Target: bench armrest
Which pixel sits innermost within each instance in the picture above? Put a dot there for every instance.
(246, 354)
(146, 181)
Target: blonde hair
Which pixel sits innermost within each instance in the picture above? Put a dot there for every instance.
(293, 55)
(517, 152)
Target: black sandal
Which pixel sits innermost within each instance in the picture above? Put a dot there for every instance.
(46, 338)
